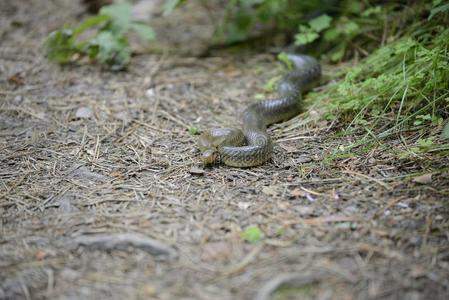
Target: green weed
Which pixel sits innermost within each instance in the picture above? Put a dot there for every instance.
(252, 234)
(401, 86)
(194, 130)
(108, 45)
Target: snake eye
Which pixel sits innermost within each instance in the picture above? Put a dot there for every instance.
(209, 157)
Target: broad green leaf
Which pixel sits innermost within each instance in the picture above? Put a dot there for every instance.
(113, 50)
(61, 46)
(320, 23)
(120, 15)
(90, 22)
(305, 36)
(331, 34)
(350, 28)
(372, 11)
(143, 30)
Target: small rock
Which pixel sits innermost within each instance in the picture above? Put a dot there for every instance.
(196, 171)
(423, 179)
(69, 274)
(244, 205)
(304, 210)
(84, 113)
(402, 205)
(18, 99)
(150, 92)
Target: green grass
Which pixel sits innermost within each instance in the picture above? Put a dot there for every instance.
(403, 86)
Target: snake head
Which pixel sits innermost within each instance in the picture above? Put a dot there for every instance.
(209, 157)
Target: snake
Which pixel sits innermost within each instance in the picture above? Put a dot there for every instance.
(253, 146)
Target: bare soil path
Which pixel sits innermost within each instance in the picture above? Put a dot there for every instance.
(101, 196)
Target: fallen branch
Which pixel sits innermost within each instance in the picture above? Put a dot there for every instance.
(123, 241)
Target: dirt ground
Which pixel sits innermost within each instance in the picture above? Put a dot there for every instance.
(102, 195)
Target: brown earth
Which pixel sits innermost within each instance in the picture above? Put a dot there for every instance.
(102, 195)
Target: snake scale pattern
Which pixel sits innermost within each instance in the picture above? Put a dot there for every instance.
(253, 146)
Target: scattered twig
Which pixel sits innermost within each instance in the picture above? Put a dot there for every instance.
(244, 262)
(295, 280)
(323, 220)
(379, 182)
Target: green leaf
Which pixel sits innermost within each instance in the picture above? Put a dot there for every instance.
(320, 23)
(89, 23)
(425, 142)
(305, 36)
(194, 130)
(445, 132)
(120, 15)
(350, 28)
(252, 234)
(354, 7)
(331, 34)
(112, 50)
(283, 57)
(170, 5)
(338, 53)
(239, 29)
(372, 11)
(143, 30)
(421, 119)
(270, 86)
(61, 46)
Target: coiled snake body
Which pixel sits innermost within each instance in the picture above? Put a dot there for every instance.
(253, 146)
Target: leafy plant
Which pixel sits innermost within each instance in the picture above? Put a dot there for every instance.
(310, 32)
(243, 17)
(355, 21)
(108, 44)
